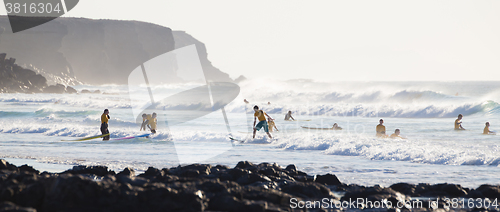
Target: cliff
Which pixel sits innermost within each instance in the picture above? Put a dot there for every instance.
(16, 79)
(96, 51)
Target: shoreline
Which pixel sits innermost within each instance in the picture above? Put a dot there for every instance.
(202, 187)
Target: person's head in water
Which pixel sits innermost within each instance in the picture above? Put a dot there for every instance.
(256, 108)
(153, 115)
(397, 132)
(487, 124)
(106, 111)
(460, 116)
(381, 121)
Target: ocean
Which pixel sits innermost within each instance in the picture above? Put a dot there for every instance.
(32, 127)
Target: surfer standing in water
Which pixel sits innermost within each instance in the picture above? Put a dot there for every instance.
(381, 129)
(458, 122)
(104, 124)
(261, 115)
(288, 116)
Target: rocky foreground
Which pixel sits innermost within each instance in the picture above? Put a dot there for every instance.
(197, 187)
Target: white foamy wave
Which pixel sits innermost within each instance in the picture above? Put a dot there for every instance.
(375, 110)
(419, 151)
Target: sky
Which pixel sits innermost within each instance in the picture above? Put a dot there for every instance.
(358, 40)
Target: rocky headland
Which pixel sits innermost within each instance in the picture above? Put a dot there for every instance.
(96, 51)
(16, 79)
(202, 187)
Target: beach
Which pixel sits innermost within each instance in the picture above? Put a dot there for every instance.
(39, 129)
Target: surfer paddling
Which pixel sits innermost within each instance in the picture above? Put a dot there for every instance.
(487, 131)
(458, 122)
(288, 116)
(104, 124)
(150, 121)
(396, 134)
(261, 115)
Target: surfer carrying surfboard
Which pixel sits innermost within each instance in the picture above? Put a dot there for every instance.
(261, 115)
(288, 116)
(104, 124)
(458, 122)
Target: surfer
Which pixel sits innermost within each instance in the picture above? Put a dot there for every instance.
(144, 122)
(487, 131)
(104, 124)
(271, 124)
(396, 134)
(336, 127)
(381, 129)
(288, 116)
(261, 115)
(458, 122)
(152, 123)
(149, 121)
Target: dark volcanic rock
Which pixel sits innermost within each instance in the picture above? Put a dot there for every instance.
(328, 179)
(55, 89)
(426, 190)
(375, 194)
(11, 207)
(91, 170)
(4, 165)
(127, 172)
(70, 89)
(489, 191)
(200, 187)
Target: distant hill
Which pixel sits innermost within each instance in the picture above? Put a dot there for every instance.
(96, 51)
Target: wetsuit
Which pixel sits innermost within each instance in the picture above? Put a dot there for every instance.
(104, 126)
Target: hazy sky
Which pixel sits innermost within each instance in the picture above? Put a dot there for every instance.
(330, 40)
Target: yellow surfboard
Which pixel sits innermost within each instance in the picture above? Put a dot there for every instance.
(88, 138)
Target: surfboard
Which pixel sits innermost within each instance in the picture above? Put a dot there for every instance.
(88, 138)
(251, 141)
(314, 128)
(131, 137)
